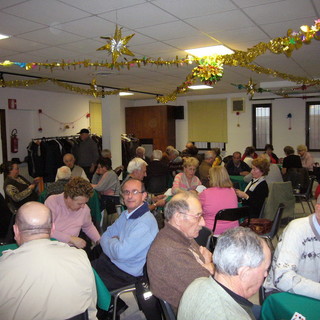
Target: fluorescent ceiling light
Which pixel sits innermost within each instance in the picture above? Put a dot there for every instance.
(200, 87)
(3, 36)
(209, 51)
(125, 94)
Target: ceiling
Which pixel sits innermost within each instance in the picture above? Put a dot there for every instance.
(53, 30)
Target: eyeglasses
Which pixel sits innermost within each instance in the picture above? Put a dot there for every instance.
(198, 216)
(133, 192)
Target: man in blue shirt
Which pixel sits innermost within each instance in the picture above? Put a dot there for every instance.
(126, 242)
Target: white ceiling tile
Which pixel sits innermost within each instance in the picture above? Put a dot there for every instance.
(191, 42)
(6, 54)
(89, 27)
(45, 11)
(12, 25)
(20, 45)
(254, 3)
(56, 53)
(279, 11)
(99, 6)
(244, 45)
(138, 16)
(51, 36)
(138, 39)
(83, 46)
(73, 30)
(7, 4)
(190, 8)
(231, 20)
(317, 5)
(167, 31)
(245, 34)
(280, 29)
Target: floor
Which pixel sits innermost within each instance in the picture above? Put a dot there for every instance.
(133, 313)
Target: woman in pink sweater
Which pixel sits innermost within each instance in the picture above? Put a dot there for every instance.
(187, 180)
(220, 195)
(70, 214)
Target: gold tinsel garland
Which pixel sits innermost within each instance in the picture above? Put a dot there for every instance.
(67, 86)
(281, 45)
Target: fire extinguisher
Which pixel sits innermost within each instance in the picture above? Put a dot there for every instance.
(14, 141)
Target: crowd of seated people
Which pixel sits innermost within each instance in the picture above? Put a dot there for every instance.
(179, 269)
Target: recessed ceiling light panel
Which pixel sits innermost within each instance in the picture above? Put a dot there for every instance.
(209, 51)
(200, 87)
(125, 94)
(3, 36)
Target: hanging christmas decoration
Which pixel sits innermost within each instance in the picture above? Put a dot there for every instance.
(289, 117)
(117, 45)
(40, 127)
(238, 115)
(251, 87)
(285, 93)
(92, 91)
(62, 125)
(209, 70)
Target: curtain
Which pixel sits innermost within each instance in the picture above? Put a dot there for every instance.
(95, 117)
(207, 120)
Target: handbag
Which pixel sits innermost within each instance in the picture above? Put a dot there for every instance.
(258, 225)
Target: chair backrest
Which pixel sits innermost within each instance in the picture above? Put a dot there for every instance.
(231, 214)
(310, 186)
(82, 316)
(157, 184)
(203, 236)
(276, 222)
(279, 192)
(299, 178)
(167, 310)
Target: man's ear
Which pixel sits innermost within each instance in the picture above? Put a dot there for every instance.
(244, 273)
(177, 218)
(16, 233)
(145, 195)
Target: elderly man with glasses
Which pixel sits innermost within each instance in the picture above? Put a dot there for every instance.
(175, 259)
(126, 242)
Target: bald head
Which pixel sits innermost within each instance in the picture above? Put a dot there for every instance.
(33, 220)
(68, 160)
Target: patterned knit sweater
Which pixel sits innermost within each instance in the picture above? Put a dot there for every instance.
(296, 261)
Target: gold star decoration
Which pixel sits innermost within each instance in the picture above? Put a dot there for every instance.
(117, 45)
(251, 88)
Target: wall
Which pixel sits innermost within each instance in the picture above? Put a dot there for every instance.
(67, 107)
(60, 106)
(241, 137)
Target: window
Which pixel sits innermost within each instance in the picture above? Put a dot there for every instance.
(261, 125)
(312, 125)
(210, 145)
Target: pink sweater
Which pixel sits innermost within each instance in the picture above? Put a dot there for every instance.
(69, 223)
(180, 182)
(214, 200)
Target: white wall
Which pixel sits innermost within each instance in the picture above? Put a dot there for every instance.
(65, 107)
(62, 108)
(241, 137)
